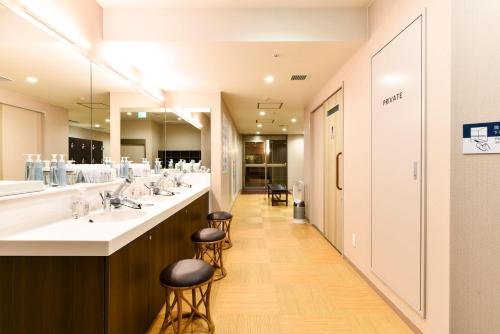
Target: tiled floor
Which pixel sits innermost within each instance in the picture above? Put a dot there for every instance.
(286, 278)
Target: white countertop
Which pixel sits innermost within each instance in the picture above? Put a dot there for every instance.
(108, 233)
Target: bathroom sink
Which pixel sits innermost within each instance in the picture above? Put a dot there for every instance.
(114, 216)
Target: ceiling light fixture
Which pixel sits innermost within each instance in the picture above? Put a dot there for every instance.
(31, 80)
(179, 119)
(269, 79)
(40, 17)
(129, 114)
(186, 115)
(108, 120)
(293, 120)
(262, 113)
(259, 125)
(258, 132)
(97, 126)
(283, 129)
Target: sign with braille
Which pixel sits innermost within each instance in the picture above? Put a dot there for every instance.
(481, 138)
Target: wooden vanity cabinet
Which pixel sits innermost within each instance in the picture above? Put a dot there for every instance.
(117, 294)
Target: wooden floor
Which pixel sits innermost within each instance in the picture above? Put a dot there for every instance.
(286, 278)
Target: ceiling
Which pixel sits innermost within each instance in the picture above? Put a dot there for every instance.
(232, 3)
(238, 70)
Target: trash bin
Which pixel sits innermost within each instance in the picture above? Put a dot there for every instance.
(299, 206)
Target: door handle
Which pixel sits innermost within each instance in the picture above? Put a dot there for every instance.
(337, 177)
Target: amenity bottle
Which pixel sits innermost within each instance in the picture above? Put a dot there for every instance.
(38, 168)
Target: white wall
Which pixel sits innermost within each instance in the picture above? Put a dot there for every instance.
(475, 179)
(182, 137)
(387, 18)
(55, 124)
(143, 129)
(295, 147)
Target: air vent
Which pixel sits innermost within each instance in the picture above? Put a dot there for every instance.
(96, 105)
(298, 77)
(264, 121)
(4, 79)
(269, 105)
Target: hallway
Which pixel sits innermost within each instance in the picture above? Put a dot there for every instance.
(286, 278)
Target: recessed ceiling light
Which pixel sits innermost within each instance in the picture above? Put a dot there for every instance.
(259, 125)
(262, 113)
(258, 132)
(108, 120)
(97, 126)
(293, 120)
(179, 119)
(283, 129)
(269, 79)
(32, 80)
(129, 114)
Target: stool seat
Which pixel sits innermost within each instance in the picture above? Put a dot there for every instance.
(186, 273)
(219, 215)
(208, 234)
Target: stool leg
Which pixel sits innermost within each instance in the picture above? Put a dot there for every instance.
(211, 325)
(178, 295)
(168, 312)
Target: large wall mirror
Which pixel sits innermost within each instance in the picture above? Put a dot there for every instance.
(55, 102)
(159, 133)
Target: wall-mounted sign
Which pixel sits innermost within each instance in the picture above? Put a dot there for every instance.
(481, 138)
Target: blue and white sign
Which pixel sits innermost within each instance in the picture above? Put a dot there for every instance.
(481, 138)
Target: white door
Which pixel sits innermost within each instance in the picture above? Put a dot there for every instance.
(397, 200)
(333, 139)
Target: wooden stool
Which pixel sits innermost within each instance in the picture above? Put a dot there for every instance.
(185, 275)
(209, 245)
(222, 220)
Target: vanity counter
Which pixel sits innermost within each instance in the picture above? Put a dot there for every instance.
(99, 234)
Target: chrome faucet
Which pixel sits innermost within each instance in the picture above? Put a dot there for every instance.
(117, 199)
(178, 180)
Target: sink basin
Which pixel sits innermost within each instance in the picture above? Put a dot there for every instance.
(114, 216)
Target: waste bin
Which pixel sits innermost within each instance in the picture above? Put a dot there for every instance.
(299, 206)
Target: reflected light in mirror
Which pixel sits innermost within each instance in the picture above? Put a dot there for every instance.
(185, 114)
(32, 80)
(51, 20)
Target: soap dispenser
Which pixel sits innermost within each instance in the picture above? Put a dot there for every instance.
(125, 168)
(122, 166)
(157, 166)
(28, 168)
(61, 170)
(53, 171)
(38, 168)
(46, 172)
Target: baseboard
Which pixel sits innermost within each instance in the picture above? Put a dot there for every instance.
(403, 317)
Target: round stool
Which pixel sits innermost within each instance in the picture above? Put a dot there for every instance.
(184, 275)
(222, 220)
(208, 246)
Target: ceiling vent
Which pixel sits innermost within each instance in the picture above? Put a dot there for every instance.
(95, 105)
(4, 79)
(264, 121)
(269, 105)
(298, 77)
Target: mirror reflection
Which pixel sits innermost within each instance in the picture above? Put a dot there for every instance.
(44, 95)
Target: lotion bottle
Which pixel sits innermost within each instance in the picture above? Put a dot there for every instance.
(61, 170)
(38, 168)
(53, 171)
(28, 169)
